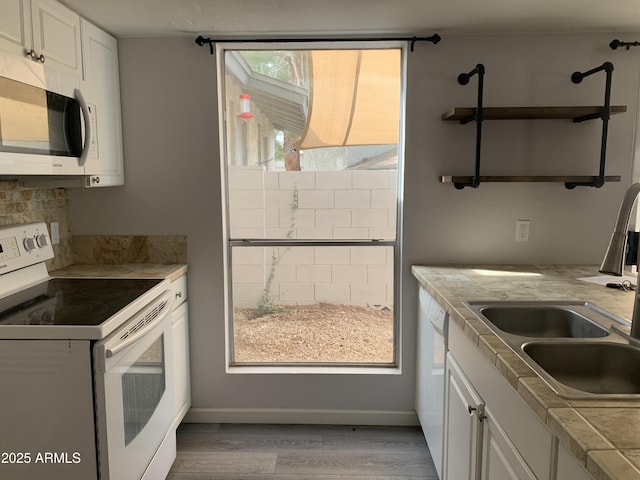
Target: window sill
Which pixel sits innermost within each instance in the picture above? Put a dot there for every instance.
(312, 370)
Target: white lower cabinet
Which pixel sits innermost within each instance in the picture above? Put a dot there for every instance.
(500, 459)
(464, 411)
(490, 432)
(182, 381)
(476, 445)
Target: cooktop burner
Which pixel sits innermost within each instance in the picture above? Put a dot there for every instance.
(72, 301)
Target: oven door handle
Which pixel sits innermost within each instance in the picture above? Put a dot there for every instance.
(143, 322)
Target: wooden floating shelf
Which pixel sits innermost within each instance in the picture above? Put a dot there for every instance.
(533, 178)
(528, 113)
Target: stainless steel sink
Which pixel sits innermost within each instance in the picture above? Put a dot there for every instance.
(601, 368)
(580, 350)
(543, 319)
(555, 321)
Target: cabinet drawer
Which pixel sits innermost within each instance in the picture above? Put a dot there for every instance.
(179, 288)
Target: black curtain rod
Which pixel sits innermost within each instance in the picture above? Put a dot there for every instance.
(435, 38)
(617, 43)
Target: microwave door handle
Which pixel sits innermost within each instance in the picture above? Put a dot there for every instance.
(87, 127)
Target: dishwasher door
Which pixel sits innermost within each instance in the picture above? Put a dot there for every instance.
(430, 373)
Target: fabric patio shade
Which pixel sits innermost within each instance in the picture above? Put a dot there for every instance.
(354, 98)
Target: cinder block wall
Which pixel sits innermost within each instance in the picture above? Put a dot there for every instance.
(358, 204)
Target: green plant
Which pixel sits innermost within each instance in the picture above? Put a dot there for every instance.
(266, 304)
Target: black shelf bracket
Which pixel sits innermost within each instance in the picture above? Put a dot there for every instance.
(463, 79)
(604, 115)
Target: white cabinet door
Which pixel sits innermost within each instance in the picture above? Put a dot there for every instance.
(463, 424)
(101, 89)
(181, 349)
(500, 460)
(15, 26)
(46, 29)
(533, 441)
(181, 362)
(56, 36)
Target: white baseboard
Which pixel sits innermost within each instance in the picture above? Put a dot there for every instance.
(293, 416)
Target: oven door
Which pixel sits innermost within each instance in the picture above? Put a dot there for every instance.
(134, 392)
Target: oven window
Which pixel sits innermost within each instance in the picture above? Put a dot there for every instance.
(143, 385)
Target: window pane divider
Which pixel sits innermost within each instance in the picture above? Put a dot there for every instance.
(251, 242)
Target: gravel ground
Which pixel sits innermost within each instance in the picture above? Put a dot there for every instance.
(314, 333)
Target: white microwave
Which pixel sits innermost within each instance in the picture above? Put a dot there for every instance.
(45, 124)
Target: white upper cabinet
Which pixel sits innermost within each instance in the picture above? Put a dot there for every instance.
(44, 30)
(15, 26)
(56, 35)
(101, 89)
(49, 33)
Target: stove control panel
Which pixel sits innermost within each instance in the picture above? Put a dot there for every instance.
(24, 245)
(8, 249)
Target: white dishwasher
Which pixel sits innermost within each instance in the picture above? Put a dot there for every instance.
(430, 373)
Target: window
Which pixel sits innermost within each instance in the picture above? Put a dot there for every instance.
(312, 148)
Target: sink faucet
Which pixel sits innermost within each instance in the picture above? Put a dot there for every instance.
(613, 262)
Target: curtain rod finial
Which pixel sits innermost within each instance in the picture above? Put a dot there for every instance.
(200, 40)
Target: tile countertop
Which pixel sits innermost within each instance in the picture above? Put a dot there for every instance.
(125, 270)
(603, 435)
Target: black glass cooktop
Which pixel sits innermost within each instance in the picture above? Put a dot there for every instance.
(72, 301)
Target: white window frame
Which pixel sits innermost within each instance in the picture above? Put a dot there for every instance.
(315, 368)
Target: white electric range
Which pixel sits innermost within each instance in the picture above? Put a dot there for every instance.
(86, 370)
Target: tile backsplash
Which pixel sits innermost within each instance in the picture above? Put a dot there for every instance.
(118, 249)
(20, 204)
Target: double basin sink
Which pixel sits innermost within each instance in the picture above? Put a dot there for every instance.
(577, 348)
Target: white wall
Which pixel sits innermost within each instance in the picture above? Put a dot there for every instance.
(173, 187)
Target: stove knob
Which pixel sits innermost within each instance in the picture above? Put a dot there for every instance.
(41, 240)
(29, 244)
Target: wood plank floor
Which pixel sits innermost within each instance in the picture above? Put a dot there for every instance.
(301, 452)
